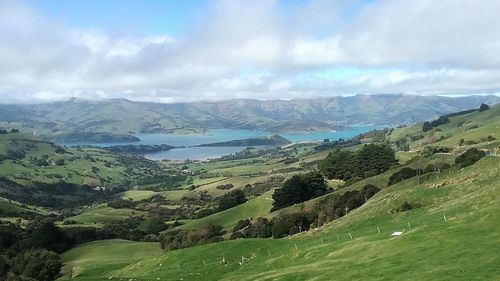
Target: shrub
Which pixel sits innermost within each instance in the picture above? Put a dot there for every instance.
(241, 224)
(59, 162)
(368, 191)
(406, 206)
(401, 175)
(261, 228)
(187, 238)
(289, 224)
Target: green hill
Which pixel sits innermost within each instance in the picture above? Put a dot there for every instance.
(451, 221)
(38, 172)
(474, 128)
(456, 224)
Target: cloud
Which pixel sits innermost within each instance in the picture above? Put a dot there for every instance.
(259, 49)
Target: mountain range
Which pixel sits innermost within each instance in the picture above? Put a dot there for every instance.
(120, 116)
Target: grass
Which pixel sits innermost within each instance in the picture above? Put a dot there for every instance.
(464, 247)
(256, 207)
(102, 257)
(470, 127)
(137, 195)
(16, 207)
(102, 213)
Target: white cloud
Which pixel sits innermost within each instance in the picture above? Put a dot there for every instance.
(259, 49)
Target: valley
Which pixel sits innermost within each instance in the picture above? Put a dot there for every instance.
(110, 204)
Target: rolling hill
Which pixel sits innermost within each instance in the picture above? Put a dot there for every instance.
(449, 233)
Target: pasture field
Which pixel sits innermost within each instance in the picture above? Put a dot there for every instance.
(100, 214)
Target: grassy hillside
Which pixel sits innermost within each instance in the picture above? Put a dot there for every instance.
(455, 225)
(32, 170)
(472, 127)
(102, 257)
(256, 207)
(96, 216)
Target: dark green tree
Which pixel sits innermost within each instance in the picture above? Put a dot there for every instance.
(231, 199)
(299, 188)
(484, 107)
(39, 264)
(426, 127)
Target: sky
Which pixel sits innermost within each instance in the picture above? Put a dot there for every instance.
(192, 50)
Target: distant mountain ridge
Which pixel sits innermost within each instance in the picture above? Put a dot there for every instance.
(319, 114)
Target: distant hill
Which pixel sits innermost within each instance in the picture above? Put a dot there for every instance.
(271, 140)
(320, 114)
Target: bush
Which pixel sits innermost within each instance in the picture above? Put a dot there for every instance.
(241, 224)
(406, 206)
(188, 238)
(469, 157)
(261, 228)
(368, 191)
(401, 175)
(289, 224)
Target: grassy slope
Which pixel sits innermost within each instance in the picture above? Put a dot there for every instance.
(77, 168)
(256, 207)
(103, 213)
(431, 249)
(102, 257)
(488, 123)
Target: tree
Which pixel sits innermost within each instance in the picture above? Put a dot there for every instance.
(261, 228)
(299, 188)
(484, 107)
(152, 225)
(50, 237)
(369, 161)
(339, 164)
(60, 162)
(40, 265)
(469, 157)
(231, 199)
(4, 267)
(426, 127)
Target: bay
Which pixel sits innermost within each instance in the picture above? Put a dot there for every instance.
(184, 142)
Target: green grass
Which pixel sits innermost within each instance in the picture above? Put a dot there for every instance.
(460, 127)
(96, 216)
(256, 207)
(16, 207)
(137, 195)
(200, 182)
(464, 247)
(97, 260)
